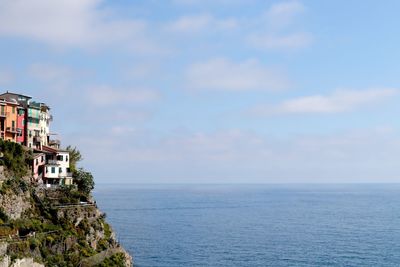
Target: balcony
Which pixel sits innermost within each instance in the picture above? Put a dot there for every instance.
(11, 130)
(67, 175)
(54, 142)
(52, 162)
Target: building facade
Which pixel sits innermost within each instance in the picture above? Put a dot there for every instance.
(22, 116)
(34, 138)
(21, 125)
(44, 124)
(38, 167)
(57, 168)
(11, 109)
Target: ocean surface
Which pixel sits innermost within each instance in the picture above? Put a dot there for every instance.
(256, 225)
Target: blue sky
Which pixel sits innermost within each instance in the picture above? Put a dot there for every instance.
(214, 91)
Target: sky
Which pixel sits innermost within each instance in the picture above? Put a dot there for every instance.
(214, 91)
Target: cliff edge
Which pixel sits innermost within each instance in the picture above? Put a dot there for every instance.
(51, 226)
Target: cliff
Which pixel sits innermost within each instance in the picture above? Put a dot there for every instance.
(59, 226)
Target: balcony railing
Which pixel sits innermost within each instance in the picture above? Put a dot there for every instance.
(11, 130)
(67, 175)
(52, 162)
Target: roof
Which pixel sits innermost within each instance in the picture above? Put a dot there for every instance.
(16, 98)
(36, 155)
(47, 149)
(14, 94)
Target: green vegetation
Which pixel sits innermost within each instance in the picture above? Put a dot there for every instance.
(15, 158)
(117, 260)
(74, 157)
(84, 180)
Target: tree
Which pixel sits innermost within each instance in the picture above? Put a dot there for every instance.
(84, 180)
(74, 157)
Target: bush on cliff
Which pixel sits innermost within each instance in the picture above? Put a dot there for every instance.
(74, 157)
(84, 180)
(14, 158)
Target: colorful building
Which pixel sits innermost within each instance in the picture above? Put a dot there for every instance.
(21, 125)
(44, 124)
(34, 138)
(28, 123)
(11, 109)
(22, 116)
(38, 167)
(8, 119)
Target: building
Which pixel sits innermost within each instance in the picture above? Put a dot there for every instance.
(28, 123)
(8, 119)
(21, 125)
(11, 109)
(22, 116)
(57, 168)
(34, 138)
(38, 167)
(44, 124)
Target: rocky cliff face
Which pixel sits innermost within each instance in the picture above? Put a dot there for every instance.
(53, 227)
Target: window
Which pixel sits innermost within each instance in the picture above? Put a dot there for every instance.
(66, 158)
(47, 169)
(13, 124)
(60, 170)
(42, 158)
(13, 110)
(37, 161)
(53, 169)
(60, 158)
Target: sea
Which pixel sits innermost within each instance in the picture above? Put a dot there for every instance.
(256, 225)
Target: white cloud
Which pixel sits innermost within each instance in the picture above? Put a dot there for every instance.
(197, 23)
(224, 75)
(280, 28)
(211, 2)
(361, 155)
(339, 101)
(106, 96)
(287, 41)
(284, 13)
(79, 23)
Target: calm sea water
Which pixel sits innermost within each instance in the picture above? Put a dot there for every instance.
(263, 225)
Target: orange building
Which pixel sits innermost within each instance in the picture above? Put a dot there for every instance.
(9, 116)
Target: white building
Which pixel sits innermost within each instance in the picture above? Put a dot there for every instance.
(44, 124)
(57, 171)
(38, 125)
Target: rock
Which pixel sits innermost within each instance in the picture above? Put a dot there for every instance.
(3, 248)
(26, 262)
(14, 205)
(5, 261)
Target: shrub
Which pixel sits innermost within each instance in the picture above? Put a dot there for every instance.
(85, 181)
